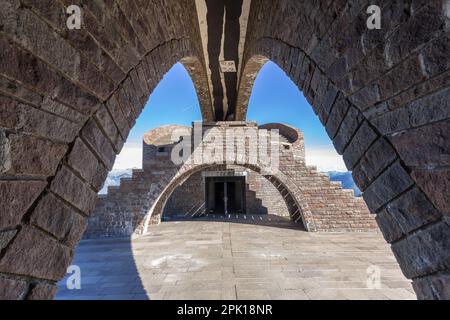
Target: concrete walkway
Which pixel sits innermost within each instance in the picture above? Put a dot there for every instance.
(238, 259)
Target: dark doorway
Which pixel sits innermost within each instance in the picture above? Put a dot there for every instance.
(219, 195)
(225, 195)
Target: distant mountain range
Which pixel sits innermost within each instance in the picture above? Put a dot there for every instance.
(345, 178)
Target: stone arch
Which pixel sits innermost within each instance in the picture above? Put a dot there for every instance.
(249, 73)
(383, 107)
(382, 95)
(197, 72)
(66, 113)
(299, 211)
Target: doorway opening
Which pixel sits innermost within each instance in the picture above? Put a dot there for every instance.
(225, 195)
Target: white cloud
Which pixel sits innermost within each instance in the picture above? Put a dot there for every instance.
(325, 158)
(129, 157)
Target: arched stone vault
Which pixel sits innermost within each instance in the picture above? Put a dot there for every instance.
(68, 100)
(384, 101)
(196, 71)
(65, 114)
(310, 197)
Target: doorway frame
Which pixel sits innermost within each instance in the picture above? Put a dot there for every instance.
(225, 179)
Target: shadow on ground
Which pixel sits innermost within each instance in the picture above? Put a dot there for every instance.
(236, 258)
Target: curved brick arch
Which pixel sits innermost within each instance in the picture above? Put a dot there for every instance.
(65, 113)
(385, 109)
(279, 180)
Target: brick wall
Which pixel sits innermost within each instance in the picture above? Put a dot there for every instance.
(382, 96)
(68, 100)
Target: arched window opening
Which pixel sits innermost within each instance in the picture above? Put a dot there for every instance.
(275, 98)
(174, 101)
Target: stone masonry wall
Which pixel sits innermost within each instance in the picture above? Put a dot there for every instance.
(69, 99)
(188, 199)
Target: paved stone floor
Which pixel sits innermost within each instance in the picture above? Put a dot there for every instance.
(237, 259)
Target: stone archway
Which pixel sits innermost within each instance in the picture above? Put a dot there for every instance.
(383, 107)
(65, 114)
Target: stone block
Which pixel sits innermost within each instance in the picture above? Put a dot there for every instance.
(12, 289)
(370, 68)
(337, 115)
(347, 129)
(5, 238)
(431, 108)
(118, 116)
(424, 146)
(419, 30)
(388, 226)
(74, 190)
(435, 57)
(24, 67)
(42, 291)
(109, 127)
(328, 102)
(402, 76)
(420, 90)
(366, 97)
(63, 111)
(86, 164)
(412, 210)
(375, 160)
(17, 197)
(30, 156)
(359, 144)
(99, 143)
(125, 105)
(435, 184)
(424, 252)
(15, 89)
(433, 287)
(35, 35)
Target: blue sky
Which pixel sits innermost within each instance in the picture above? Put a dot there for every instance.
(275, 98)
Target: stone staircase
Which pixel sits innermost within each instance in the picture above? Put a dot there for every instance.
(123, 209)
